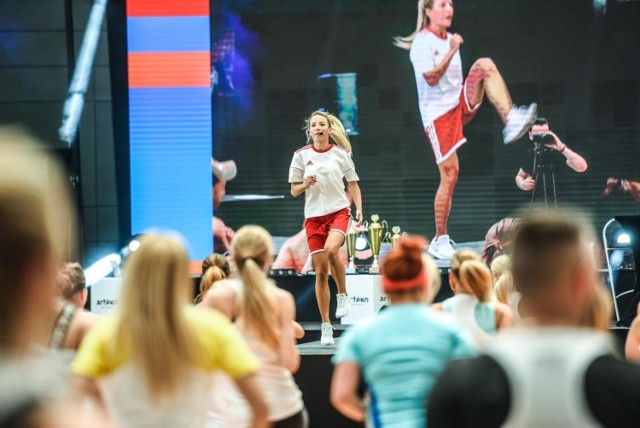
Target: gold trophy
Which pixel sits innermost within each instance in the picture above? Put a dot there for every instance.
(352, 234)
(397, 236)
(376, 235)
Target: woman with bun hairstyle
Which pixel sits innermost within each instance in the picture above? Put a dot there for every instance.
(472, 303)
(215, 267)
(399, 352)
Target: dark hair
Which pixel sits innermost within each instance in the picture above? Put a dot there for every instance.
(540, 121)
(70, 279)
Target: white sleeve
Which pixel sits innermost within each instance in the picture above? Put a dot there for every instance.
(296, 170)
(421, 55)
(349, 169)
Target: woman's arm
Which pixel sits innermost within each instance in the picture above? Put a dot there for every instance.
(299, 188)
(249, 389)
(344, 390)
(433, 76)
(289, 356)
(504, 316)
(354, 189)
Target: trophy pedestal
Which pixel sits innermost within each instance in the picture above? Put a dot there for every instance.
(350, 270)
(375, 270)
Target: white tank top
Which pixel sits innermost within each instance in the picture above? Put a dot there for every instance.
(463, 308)
(128, 401)
(276, 383)
(546, 368)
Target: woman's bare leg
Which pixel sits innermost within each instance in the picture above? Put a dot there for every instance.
(449, 170)
(484, 77)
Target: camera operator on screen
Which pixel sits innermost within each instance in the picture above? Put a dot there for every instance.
(545, 153)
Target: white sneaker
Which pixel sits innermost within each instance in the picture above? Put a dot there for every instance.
(344, 305)
(441, 248)
(327, 334)
(225, 171)
(519, 120)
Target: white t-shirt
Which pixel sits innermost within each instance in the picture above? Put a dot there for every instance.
(330, 167)
(427, 51)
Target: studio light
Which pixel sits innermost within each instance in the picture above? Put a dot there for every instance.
(624, 238)
(102, 268)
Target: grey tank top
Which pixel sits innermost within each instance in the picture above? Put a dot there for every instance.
(546, 368)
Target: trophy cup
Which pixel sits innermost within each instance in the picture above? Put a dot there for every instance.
(376, 235)
(397, 236)
(352, 234)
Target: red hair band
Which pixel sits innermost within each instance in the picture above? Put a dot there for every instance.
(418, 281)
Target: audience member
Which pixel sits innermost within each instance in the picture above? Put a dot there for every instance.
(400, 351)
(36, 232)
(72, 322)
(265, 315)
(153, 354)
(553, 373)
(472, 304)
(215, 267)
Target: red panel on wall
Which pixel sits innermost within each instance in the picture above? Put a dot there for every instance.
(175, 69)
(137, 8)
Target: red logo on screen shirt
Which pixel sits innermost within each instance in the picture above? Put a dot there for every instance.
(309, 163)
(436, 53)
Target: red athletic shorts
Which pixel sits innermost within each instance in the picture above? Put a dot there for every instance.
(445, 133)
(318, 228)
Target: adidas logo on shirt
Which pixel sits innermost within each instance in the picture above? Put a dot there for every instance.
(309, 163)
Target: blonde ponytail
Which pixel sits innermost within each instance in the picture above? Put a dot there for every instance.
(475, 278)
(257, 305)
(251, 248)
(422, 22)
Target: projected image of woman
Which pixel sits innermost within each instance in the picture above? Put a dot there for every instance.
(448, 102)
(318, 170)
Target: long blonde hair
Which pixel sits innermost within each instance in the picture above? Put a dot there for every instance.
(37, 228)
(252, 250)
(422, 22)
(337, 133)
(503, 287)
(151, 320)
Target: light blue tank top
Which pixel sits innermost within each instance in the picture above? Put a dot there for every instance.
(484, 312)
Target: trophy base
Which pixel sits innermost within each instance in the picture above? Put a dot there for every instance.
(374, 269)
(350, 270)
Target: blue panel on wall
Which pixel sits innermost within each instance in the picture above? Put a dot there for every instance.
(168, 34)
(170, 149)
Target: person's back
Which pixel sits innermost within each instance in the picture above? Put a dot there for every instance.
(265, 316)
(402, 351)
(156, 353)
(555, 373)
(472, 313)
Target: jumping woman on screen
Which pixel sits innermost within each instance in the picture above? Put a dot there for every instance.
(448, 102)
(318, 170)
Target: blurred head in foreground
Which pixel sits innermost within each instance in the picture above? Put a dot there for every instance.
(36, 231)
